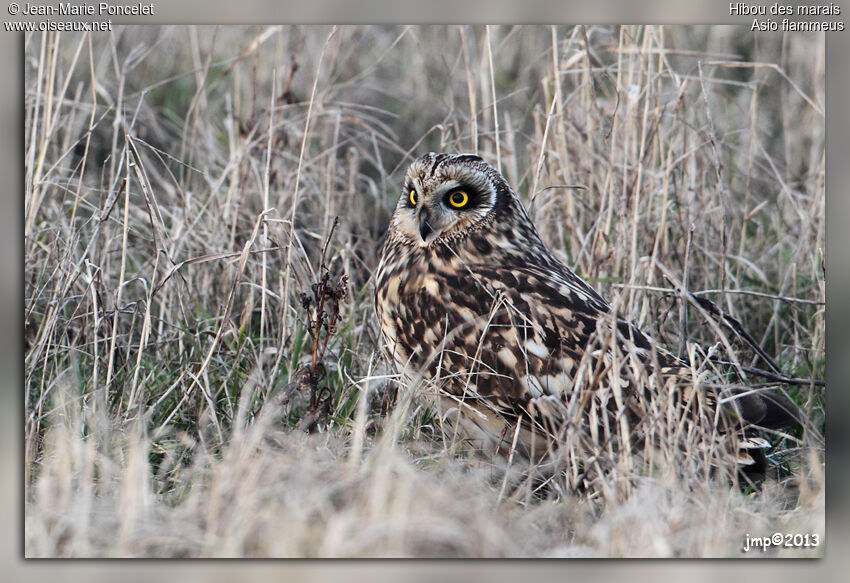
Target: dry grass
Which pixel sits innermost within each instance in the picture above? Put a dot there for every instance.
(181, 182)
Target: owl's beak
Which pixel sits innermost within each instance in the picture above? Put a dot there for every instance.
(424, 226)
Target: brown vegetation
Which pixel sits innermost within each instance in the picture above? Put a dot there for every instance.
(180, 186)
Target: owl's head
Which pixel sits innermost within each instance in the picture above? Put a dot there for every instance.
(445, 197)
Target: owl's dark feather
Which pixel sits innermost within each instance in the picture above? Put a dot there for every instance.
(498, 325)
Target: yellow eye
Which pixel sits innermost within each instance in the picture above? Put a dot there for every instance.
(458, 199)
(412, 197)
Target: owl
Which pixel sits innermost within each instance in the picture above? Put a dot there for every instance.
(522, 356)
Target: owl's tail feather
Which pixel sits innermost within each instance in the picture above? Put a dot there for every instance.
(755, 410)
(751, 413)
(765, 409)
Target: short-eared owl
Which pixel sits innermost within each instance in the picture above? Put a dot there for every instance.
(521, 351)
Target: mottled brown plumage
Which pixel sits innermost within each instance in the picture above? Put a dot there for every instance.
(472, 304)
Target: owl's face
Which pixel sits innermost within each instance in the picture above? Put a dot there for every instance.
(443, 197)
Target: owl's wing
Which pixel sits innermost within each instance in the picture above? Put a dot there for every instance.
(562, 317)
(542, 342)
(560, 353)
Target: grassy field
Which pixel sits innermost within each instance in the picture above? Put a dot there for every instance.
(182, 184)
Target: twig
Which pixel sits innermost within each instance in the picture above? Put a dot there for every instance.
(325, 296)
(745, 292)
(736, 327)
(761, 295)
(776, 377)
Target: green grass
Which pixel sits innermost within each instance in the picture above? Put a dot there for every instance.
(163, 320)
